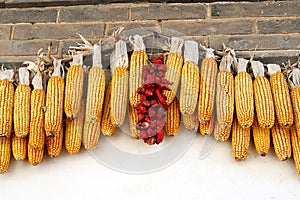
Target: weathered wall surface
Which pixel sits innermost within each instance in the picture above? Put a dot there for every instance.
(272, 28)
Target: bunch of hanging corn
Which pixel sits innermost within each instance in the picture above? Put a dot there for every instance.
(119, 83)
(173, 118)
(74, 87)
(264, 105)
(281, 96)
(107, 127)
(189, 79)
(54, 101)
(174, 66)
(244, 99)
(54, 111)
(208, 75)
(225, 90)
(36, 139)
(282, 141)
(138, 59)
(94, 101)
(294, 83)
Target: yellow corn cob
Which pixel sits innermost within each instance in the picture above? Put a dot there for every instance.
(35, 156)
(133, 120)
(208, 75)
(93, 111)
(281, 97)
(221, 134)
(295, 96)
(107, 127)
(22, 110)
(296, 147)
(73, 91)
(282, 142)
(190, 122)
(73, 132)
(37, 118)
(173, 118)
(261, 138)
(174, 64)
(244, 99)
(225, 90)
(5, 151)
(240, 141)
(54, 105)
(6, 107)
(207, 127)
(138, 59)
(55, 143)
(19, 147)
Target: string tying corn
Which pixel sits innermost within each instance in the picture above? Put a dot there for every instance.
(189, 78)
(119, 87)
(208, 75)
(174, 66)
(22, 104)
(264, 105)
(94, 101)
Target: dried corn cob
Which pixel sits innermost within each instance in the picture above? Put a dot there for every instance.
(221, 134)
(55, 143)
(207, 127)
(296, 147)
(264, 105)
(138, 59)
(73, 132)
(294, 83)
(19, 147)
(6, 102)
(208, 75)
(281, 96)
(240, 141)
(189, 79)
(190, 122)
(173, 118)
(133, 120)
(22, 104)
(74, 87)
(119, 88)
(54, 101)
(282, 141)
(37, 115)
(5, 151)
(244, 98)
(35, 156)
(107, 127)
(225, 90)
(94, 101)
(261, 138)
(174, 66)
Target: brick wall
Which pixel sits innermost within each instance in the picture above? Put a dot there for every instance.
(273, 28)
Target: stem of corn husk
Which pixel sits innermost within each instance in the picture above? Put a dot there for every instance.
(273, 69)
(228, 60)
(58, 68)
(176, 45)
(77, 60)
(191, 51)
(7, 74)
(137, 43)
(257, 68)
(24, 75)
(37, 81)
(97, 56)
(242, 65)
(119, 57)
(294, 78)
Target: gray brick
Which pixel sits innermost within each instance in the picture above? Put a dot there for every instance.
(264, 42)
(169, 11)
(58, 31)
(278, 26)
(194, 28)
(15, 61)
(25, 48)
(138, 26)
(4, 32)
(98, 13)
(255, 9)
(32, 15)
